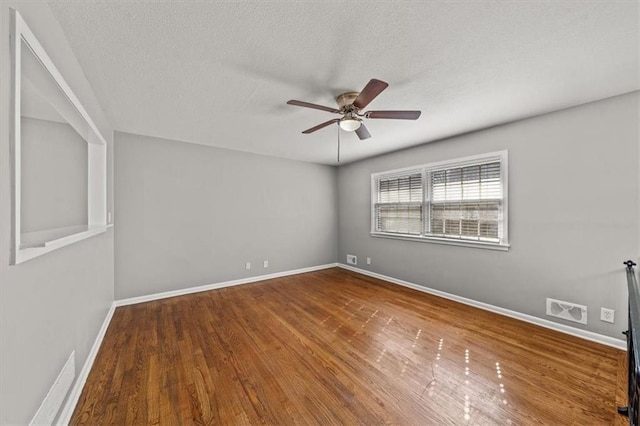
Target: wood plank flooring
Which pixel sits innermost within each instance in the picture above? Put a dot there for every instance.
(335, 347)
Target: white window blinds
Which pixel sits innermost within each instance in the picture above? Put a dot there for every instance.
(466, 202)
(399, 205)
(462, 200)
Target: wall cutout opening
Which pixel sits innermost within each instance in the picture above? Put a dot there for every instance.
(59, 156)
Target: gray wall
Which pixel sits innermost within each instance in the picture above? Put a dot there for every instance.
(54, 176)
(56, 303)
(573, 214)
(189, 215)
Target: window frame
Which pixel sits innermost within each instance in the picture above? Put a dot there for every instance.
(425, 170)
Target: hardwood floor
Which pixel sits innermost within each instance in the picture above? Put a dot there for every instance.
(335, 347)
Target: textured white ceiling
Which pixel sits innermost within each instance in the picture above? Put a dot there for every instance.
(219, 73)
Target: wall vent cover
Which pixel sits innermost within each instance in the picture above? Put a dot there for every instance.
(567, 310)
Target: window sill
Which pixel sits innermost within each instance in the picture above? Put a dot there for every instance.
(446, 241)
(36, 244)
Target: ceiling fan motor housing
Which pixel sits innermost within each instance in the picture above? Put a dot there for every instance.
(346, 100)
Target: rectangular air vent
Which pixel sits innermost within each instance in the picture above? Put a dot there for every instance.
(567, 310)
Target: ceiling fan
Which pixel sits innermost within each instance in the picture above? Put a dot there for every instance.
(349, 106)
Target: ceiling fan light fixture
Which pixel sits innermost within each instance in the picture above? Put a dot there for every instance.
(350, 124)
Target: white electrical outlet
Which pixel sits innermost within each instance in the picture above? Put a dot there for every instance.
(265, 264)
(368, 261)
(607, 315)
(352, 260)
(247, 266)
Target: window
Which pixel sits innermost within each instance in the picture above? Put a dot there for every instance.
(458, 202)
(399, 206)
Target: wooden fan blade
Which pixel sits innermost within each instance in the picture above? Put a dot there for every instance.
(314, 106)
(398, 115)
(320, 126)
(371, 90)
(362, 132)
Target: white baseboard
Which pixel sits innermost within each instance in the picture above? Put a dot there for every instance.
(584, 334)
(55, 397)
(76, 391)
(207, 287)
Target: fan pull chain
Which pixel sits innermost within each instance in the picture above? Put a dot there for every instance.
(338, 143)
